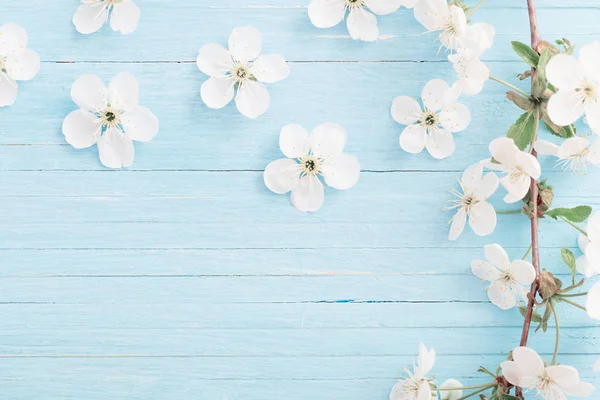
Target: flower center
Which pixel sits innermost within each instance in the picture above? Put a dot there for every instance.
(506, 276)
(241, 73)
(111, 3)
(354, 3)
(310, 165)
(577, 163)
(588, 92)
(463, 200)
(429, 119)
(516, 174)
(110, 117)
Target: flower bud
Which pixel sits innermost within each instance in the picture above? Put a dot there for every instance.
(549, 285)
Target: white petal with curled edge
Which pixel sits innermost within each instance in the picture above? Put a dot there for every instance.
(140, 124)
(458, 224)
(529, 361)
(115, 149)
(397, 391)
(570, 147)
(545, 147)
(479, 37)
(497, 256)
(89, 18)
(23, 66)
(482, 218)
(383, 7)
(455, 117)
(326, 13)
(501, 296)
(471, 178)
(511, 371)
(252, 99)
(270, 68)
(484, 270)
(327, 140)
(123, 92)
(217, 92)
(565, 107)
(475, 75)
(582, 389)
(89, 93)
(282, 175)
(529, 164)
(563, 375)
(424, 392)
(426, 360)
(592, 116)
(413, 139)
(245, 44)
(362, 25)
(592, 303)
(487, 187)
(440, 144)
(564, 72)
(504, 150)
(433, 94)
(584, 267)
(405, 110)
(516, 188)
(293, 141)
(13, 39)
(432, 14)
(589, 56)
(522, 271)
(308, 195)
(125, 17)
(81, 129)
(453, 394)
(214, 60)
(341, 172)
(8, 91)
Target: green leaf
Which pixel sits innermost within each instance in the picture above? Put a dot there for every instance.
(526, 53)
(522, 131)
(510, 397)
(520, 101)
(484, 370)
(569, 260)
(575, 214)
(542, 63)
(535, 317)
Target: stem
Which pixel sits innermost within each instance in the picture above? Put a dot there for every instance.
(553, 308)
(477, 391)
(485, 385)
(513, 87)
(574, 294)
(573, 225)
(527, 252)
(508, 211)
(472, 10)
(573, 304)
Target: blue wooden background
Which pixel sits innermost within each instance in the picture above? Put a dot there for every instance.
(184, 277)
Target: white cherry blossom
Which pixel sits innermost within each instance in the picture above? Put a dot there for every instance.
(17, 62)
(574, 154)
(518, 165)
(509, 281)
(310, 157)
(242, 68)
(432, 126)
(109, 117)
(416, 385)
(554, 382)
(450, 390)
(361, 23)
(472, 203)
(578, 87)
(93, 14)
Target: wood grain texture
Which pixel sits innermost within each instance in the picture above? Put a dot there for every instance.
(184, 277)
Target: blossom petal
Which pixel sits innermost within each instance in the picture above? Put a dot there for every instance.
(564, 72)
(440, 144)
(456, 117)
(471, 177)
(424, 392)
(115, 149)
(81, 129)
(293, 141)
(504, 150)
(582, 389)
(217, 92)
(545, 147)
(487, 187)
(383, 7)
(123, 92)
(89, 18)
(500, 295)
(252, 99)
(482, 218)
(432, 14)
(455, 391)
(413, 139)
(458, 224)
(563, 375)
(245, 44)
(341, 172)
(589, 56)
(517, 188)
(308, 195)
(13, 39)
(327, 140)
(474, 76)
(529, 164)
(426, 360)
(496, 254)
(484, 270)
(479, 37)
(408, 3)
(594, 153)
(572, 146)
(405, 110)
(326, 13)
(592, 303)
(362, 25)
(584, 266)
(270, 68)
(565, 107)
(593, 228)
(23, 66)
(522, 271)
(125, 17)
(592, 116)
(89, 93)
(511, 371)
(282, 175)
(397, 391)
(529, 361)
(140, 124)
(214, 60)
(8, 91)
(433, 93)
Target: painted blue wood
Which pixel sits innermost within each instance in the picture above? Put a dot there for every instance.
(184, 277)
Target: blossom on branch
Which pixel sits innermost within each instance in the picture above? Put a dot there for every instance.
(416, 385)
(574, 154)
